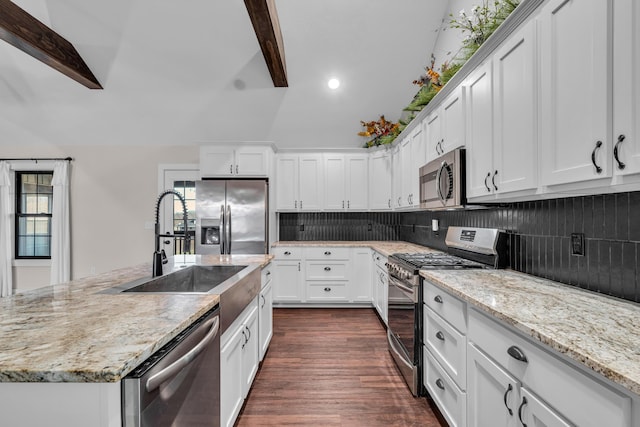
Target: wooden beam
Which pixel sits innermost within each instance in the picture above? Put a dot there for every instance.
(20, 29)
(267, 27)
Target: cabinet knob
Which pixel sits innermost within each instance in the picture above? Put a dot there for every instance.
(327, 289)
(438, 299)
(440, 384)
(327, 269)
(327, 253)
(440, 335)
(517, 354)
(287, 253)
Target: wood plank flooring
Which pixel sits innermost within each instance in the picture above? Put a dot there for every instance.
(331, 367)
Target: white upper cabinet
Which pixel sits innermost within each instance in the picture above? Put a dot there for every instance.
(433, 129)
(479, 126)
(299, 182)
(397, 201)
(229, 161)
(501, 125)
(346, 181)
(575, 86)
(453, 121)
(380, 180)
(626, 86)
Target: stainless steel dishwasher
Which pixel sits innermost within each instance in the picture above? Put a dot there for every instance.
(179, 385)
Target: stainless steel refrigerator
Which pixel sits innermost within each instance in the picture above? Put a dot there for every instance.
(232, 216)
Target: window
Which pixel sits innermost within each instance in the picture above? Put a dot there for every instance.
(34, 199)
(188, 191)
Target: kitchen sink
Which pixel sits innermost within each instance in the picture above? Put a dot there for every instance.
(197, 278)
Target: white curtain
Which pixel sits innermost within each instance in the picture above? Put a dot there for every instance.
(60, 225)
(6, 255)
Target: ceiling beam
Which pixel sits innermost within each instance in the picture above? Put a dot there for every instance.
(267, 27)
(25, 32)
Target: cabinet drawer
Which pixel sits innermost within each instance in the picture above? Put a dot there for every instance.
(583, 399)
(380, 260)
(382, 276)
(329, 291)
(447, 345)
(327, 253)
(320, 270)
(284, 253)
(451, 401)
(266, 275)
(446, 305)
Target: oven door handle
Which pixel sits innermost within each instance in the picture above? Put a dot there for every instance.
(177, 366)
(410, 292)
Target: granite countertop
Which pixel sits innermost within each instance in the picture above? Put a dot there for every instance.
(386, 248)
(600, 332)
(73, 333)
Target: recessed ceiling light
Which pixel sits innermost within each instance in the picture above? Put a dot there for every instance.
(333, 83)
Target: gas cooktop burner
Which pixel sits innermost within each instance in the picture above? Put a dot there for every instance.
(437, 261)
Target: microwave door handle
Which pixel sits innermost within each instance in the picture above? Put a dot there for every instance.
(222, 230)
(438, 176)
(229, 234)
(177, 366)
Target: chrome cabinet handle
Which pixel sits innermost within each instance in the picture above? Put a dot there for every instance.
(287, 253)
(493, 180)
(172, 370)
(389, 201)
(295, 204)
(327, 269)
(440, 384)
(440, 335)
(621, 165)
(268, 273)
(399, 198)
(327, 253)
(524, 402)
(264, 301)
(249, 331)
(230, 168)
(506, 393)
(327, 289)
(517, 354)
(237, 170)
(438, 299)
(593, 157)
(343, 204)
(485, 182)
(348, 204)
(298, 266)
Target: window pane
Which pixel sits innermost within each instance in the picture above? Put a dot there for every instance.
(190, 192)
(44, 203)
(44, 183)
(25, 246)
(29, 183)
(29, 204)
(42, 245)
(42, 226)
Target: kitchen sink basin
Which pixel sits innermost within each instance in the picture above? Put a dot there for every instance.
(197, 278)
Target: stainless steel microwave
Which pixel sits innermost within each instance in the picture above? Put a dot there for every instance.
(442, 182)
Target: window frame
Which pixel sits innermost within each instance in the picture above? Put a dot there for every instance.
(18, 214)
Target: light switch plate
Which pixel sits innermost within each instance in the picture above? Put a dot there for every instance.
(577, 244)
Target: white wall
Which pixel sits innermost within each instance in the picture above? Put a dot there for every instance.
(113, 194)
(450, 39)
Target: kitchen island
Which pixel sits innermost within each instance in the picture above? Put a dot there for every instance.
(69, 345)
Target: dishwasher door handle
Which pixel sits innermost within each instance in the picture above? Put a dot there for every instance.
(177, 366)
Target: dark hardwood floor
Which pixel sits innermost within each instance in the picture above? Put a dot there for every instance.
(331, 367)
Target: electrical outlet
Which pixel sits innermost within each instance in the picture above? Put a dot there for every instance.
(370, 227)
(577, 244)
(301, 227)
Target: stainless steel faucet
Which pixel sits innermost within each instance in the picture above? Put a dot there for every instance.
(159, 256)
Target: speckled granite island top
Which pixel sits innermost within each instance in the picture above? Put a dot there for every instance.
(386, 248)
(73, 333)
(599, 332)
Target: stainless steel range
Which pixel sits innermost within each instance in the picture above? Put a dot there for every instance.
(468, 248)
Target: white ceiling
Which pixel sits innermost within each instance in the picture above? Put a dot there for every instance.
(191, 72)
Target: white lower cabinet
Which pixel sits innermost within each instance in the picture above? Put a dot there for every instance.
(380, 285)
(288, 274)
(238, 363)
(552, 392)
(451, 401)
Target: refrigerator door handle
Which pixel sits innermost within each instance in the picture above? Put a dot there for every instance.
(228, 236)
(223, 227)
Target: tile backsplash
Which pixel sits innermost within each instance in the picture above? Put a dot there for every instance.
(539, 236)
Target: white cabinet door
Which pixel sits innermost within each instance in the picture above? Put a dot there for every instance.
(251, 161)
(535, 413)
(575, 86)
(515, 136)
(334, 177)
(357, 181)
(406, 171)
(250, 349)
(310, 178)
(380, 178)
(397, 177)
(360, 283)
(453, 121)
(232, 397)
(216, 161)
(382, 294)
(265, 318)
(493, 394)
(481, 175)
(418, 159)
(626, 86)
(287, 183)
(433, 125)
(287, 281)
